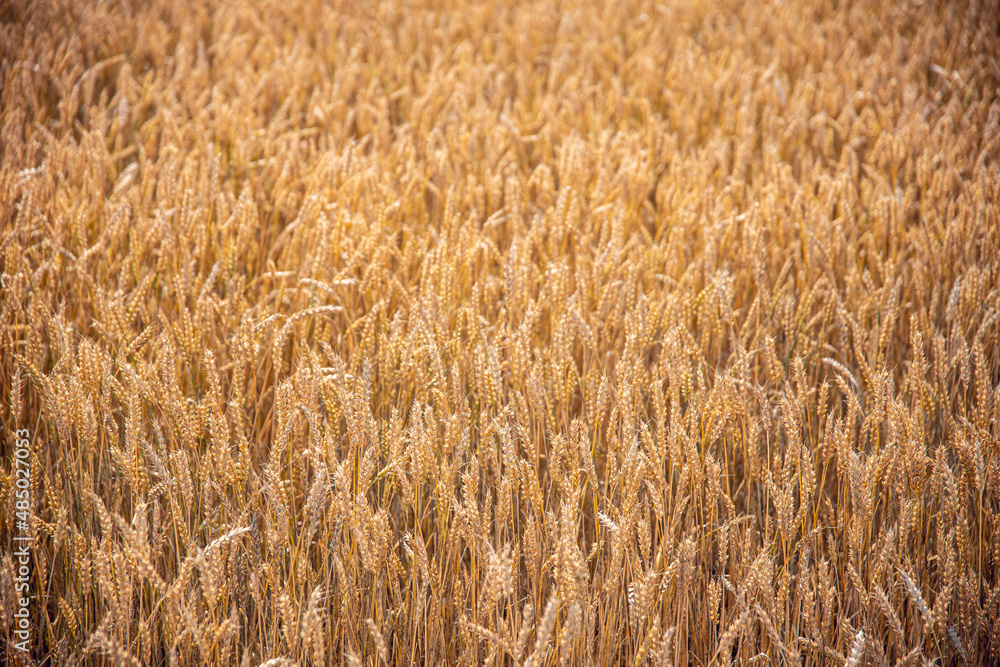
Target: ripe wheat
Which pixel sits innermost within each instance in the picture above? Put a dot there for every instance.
(552, 332)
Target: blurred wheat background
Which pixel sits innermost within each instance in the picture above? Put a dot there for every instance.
(576, 333)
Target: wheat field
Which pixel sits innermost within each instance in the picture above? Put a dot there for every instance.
(501, 333)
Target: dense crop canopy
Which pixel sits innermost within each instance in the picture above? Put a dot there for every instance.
(548, 332)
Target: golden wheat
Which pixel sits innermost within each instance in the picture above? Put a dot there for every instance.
(457, 333)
